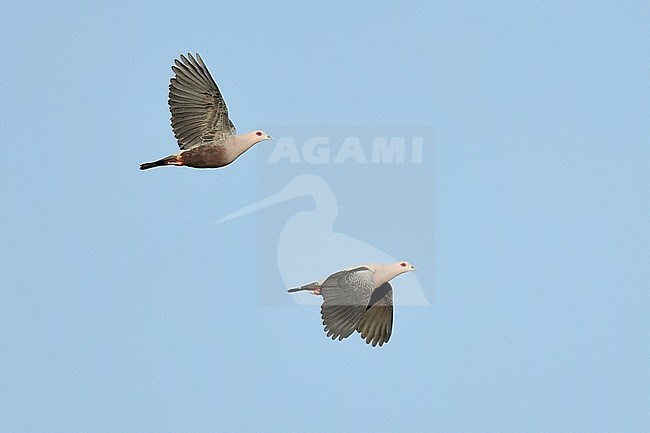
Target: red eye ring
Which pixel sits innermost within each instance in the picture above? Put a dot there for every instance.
(258, 133)
(403, 264)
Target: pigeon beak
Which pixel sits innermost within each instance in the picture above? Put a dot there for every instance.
(413, 268)
(268, 137)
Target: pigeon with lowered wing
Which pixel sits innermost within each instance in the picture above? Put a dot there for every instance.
(358, 299)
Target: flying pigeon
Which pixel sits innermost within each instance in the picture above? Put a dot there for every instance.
(206, 136)
(358, 299)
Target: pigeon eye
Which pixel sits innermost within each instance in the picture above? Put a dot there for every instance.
(403, 264)
(258, 133)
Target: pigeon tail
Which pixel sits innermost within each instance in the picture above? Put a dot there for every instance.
(168, 160)
(313, 287)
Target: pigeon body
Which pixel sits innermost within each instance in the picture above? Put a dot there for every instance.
(358, 299)
(199, 117)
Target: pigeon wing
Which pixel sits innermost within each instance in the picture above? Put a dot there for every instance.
(199, 113)
(346, 295)
(376, 325)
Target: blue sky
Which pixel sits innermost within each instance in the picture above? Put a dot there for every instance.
(125, 308)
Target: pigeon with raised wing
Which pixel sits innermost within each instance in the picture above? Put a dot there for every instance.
(358, 299)
(199, 117)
